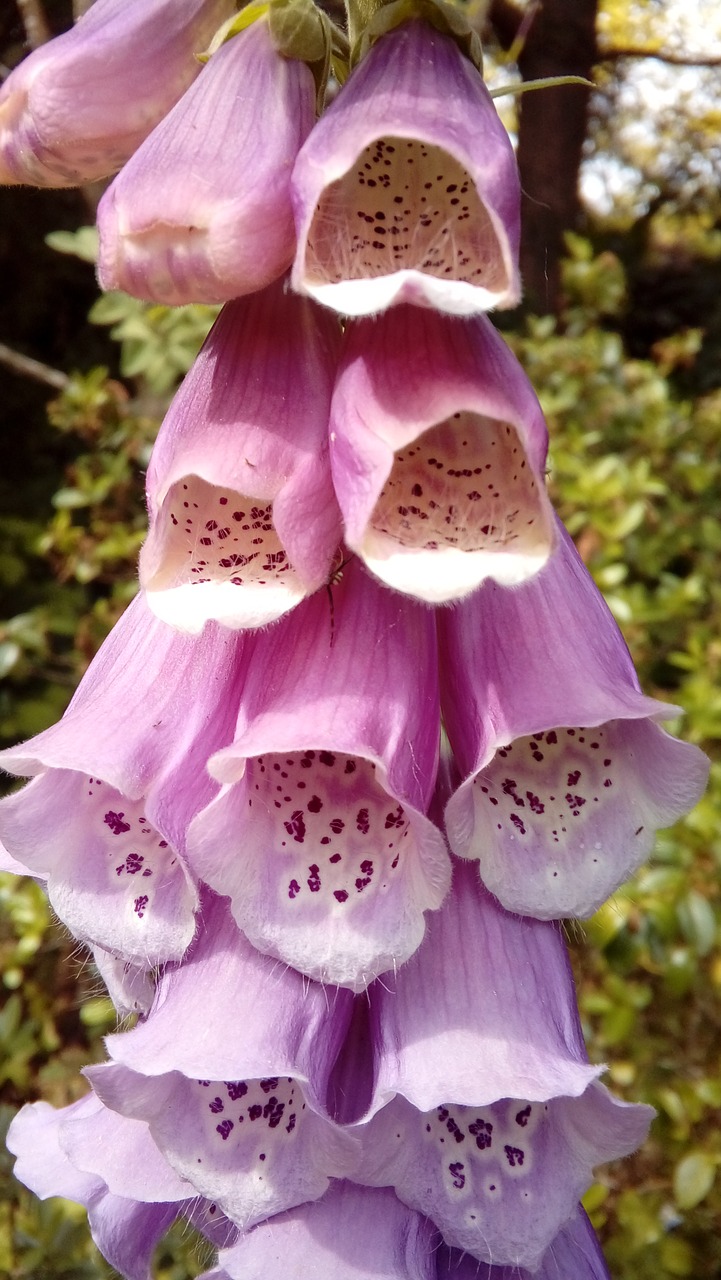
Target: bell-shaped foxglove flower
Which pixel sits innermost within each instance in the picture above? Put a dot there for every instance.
(118, 780)
(567, 774)
(575, 1254)
(230, 1070)
(486, 1114)
(78, 106)
(125, 1227)
(318, 834)
(202, 211)
(407, 188)
(438, 449)
(243, 517)
(352, 1233)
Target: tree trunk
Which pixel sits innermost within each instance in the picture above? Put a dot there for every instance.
(561, 40)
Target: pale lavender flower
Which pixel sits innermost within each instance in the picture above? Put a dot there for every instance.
(116, 782)
(110, 1164)
(567, 774)
(363, 1233)
(407, 188)
(438, 450)
(352, 1233)
(485, 1113)
(78, 106)
(319, 834)
(236, 1104)
(202, 211)
(125, 1228)
(243, 518)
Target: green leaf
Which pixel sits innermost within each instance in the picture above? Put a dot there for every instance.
(693, 1179)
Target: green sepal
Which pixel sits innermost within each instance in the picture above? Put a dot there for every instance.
(233, 27)
(299, 30)
(446, 18)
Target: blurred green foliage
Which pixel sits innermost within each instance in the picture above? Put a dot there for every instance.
(635, 472)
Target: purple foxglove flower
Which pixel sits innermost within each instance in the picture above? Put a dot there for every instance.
(567, 774)
(318, 835)
(230, 1070)
(78, 106)
(575, 1254)
(486, 1114)
(120, 776)
(126, 1230)
(352, 1233)
(243, 518)
(438, 449)
(202, 211)
(407, 188)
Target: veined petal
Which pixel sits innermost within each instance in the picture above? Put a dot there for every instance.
(78, 106)
(567, 774)
(352, 1233)
(202, 211)
(236, 1103)
(493, 1116)
(281, 1025)
(252, 1146)
(438, 449)
(574, 1254)
(407, 188)
(485, 1009)
(120, 777)
(499, 1181)
(121, 1152)
(319, 835)
(125, 1231)
(243, 518)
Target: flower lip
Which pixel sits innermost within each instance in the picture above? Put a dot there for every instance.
(414, 128)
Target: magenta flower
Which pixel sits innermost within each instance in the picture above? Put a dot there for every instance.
(243, 519)
(567, 774)
(202, 211)
(438, 455)
(78, 106)
(104, 820)
(319, 834)
(407, 188)
(485, 1112)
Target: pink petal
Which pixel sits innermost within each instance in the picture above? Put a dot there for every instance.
(438, 454)
(352, 1233)
(243, 518)
(414, 126)
(121, 775)
(568, 777)
(202, 211)
(79, 105)
(319, 835)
